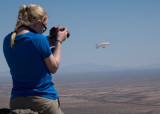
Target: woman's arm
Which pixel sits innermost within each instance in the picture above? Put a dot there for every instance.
(53, 61)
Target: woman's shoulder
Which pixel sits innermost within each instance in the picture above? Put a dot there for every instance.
(37, 39)
(8, 37)
(36, 35)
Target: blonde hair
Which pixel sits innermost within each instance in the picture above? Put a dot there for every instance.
(26, 15)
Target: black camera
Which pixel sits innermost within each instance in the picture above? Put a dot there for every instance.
(54, 31)
(53, 36)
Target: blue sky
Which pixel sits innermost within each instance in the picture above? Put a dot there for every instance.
(132, 27)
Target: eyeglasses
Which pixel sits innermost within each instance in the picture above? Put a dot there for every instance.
(44, 27)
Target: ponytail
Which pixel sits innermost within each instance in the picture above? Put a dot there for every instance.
(12, 39)
(21, 17)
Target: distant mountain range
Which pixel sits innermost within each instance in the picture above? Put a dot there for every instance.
(80, 68)
(100, 68)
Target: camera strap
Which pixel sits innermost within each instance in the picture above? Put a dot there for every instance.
(28, 28)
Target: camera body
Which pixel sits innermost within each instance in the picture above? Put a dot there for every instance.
(53, 35)
(54, 31)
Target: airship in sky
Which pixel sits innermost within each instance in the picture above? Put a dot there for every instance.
(102, 45)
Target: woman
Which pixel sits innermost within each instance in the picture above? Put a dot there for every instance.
(31, 62)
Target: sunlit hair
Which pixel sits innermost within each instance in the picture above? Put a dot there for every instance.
(26, 16)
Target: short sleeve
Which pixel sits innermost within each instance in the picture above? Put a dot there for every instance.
(44, 48)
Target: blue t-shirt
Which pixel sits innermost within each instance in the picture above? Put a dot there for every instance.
(26, 62)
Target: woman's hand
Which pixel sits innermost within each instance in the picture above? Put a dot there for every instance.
(62, 35)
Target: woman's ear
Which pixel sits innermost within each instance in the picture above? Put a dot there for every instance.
(36, 22)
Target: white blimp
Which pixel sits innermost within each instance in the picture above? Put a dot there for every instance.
(102, 45)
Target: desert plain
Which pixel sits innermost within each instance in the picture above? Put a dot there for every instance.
(116, 92)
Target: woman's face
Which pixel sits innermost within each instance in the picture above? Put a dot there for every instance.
(39, 26)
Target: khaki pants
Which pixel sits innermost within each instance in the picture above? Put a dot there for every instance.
(35, 105)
